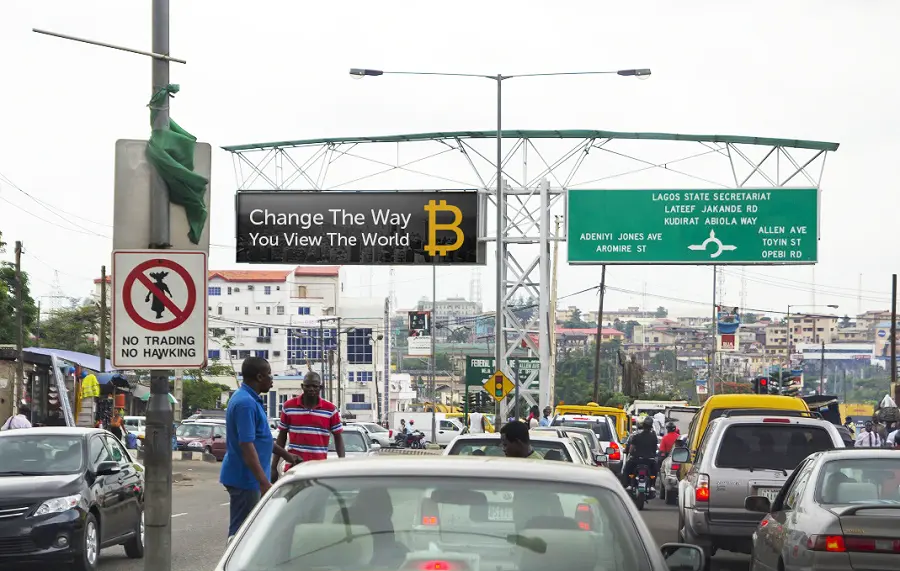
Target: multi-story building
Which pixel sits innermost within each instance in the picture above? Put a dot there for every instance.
(811, 329)
(776, 340)
(451, 314)
(870, 320)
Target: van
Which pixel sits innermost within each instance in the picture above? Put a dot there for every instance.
(716, 405)
(619, 417)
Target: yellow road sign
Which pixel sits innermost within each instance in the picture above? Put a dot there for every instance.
(498, 386)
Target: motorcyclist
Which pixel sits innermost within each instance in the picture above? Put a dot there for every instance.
(641, 449)
(668, 441)
(411, 432)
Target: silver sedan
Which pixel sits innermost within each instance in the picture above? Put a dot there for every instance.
(459, 513)
(839, 510)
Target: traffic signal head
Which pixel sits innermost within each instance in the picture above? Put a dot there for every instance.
(498, 386)
(763, 388)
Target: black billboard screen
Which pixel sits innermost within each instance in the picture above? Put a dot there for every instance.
(362, 228)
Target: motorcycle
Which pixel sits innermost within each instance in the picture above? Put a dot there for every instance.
(414, 439)
(641, 489)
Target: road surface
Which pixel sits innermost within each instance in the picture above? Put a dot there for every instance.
(200, 524)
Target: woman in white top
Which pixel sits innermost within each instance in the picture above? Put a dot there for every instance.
(476, 423)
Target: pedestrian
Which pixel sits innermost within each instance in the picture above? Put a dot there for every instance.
(545, 420)
(248, 442)
(18, 420)
(476, 423)
(851, 426)
(533, 416)
(869, 438)
(307, 423)
(515, 441)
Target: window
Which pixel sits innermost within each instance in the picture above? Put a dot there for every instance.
(214, 290)
(213, 354)
(770, 446)
(358, 397)
(303, 344)
(265, 332)
(276, 353)
(792, 497)
(98, 452)
(279, 310)
(359, 376)
(117, 451)
(268, 311)
(860, 480)
(599, 426)
(302, 311)
(264, 353)
(267, 290)
(244, 354)
(246, 311)
(282, 398)
(359, 352)
(301, 291)
(219, 431)
(219, 310)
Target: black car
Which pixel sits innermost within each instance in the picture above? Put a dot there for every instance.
(65, 494)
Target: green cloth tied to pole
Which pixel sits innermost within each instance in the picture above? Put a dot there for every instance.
(171, 152)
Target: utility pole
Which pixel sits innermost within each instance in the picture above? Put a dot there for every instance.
(711, 383)
(322, 353)
(599, 335)
(102, 319)
(339, 380)
(896, 394)
(433, 329)
(20, 331)
(553, 280)
(158, 514)
(821, 370)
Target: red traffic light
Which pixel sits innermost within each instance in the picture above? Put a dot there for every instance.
(763, 382)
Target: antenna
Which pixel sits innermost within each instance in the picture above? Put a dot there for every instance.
(721, 288)
(392, 288)
(475, 286)
(743, 288)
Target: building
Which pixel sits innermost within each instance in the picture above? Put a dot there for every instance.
(853, 335)
(870, 320)
(451, 314)
(812, 329)
(776, 340)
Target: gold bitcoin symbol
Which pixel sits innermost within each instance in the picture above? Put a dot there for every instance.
(432, 247)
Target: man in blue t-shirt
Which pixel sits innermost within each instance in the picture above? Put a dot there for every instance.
(249, 443)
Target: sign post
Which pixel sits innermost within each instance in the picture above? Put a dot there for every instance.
(721, 227)
(159, 315)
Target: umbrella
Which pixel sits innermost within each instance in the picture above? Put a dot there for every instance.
(172, 400)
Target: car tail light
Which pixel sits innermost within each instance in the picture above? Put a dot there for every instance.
(585, 517)
(676, 466)
(701, 493)
(841, 544)
(780, 420)
(390, 433)
(437, 566)
(617, 455)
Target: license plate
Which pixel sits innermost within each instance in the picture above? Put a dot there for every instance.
(769, 493)
(500, 513)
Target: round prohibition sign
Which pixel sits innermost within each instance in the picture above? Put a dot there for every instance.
(181, 314)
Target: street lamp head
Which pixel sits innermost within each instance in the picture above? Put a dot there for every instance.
(634, 72)
(832, 306)
(360, 72)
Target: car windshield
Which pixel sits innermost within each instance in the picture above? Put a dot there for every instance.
(491, 447)
(40, 455)
(681, 418)
(598, 427)
(859, 481)
(353, 442)
(352, 524)
(375, 428)
(194, 430)
(132, 422)
(772, 446)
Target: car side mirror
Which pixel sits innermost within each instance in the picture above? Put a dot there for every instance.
(376, 446)
(760, 504)
(682, 557)
(681, 455)
(610, 451)
(217, 436)
(107, 468)
(601, 458)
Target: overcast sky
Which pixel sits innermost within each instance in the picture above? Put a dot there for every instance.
(277, 70)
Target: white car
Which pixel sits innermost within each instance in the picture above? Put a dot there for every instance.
(376, 432)
(462, 514)
(551, 447)
(356, 444)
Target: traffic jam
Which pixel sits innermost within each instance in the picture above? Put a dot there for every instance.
(769, 476)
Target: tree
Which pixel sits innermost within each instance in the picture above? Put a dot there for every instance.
(576, 321)
(628, 329)
(8, 330)
(75, 329)
(845, 322)
(661, 312)
(2, 244)
(524, 308)
(459, 335)
(664, 360)
(198, 393)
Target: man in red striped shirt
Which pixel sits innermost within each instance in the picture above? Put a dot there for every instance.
(307, 423)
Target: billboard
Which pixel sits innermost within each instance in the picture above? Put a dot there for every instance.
(693, 226)
(418, 342)
(728, 321)
(358, 228)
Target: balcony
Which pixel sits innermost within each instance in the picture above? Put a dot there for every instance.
(263, 339)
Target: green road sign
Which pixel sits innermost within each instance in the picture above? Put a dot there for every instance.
(480, 368)
(731, 226)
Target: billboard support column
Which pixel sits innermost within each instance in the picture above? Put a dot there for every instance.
(433, 354)
(545, 389)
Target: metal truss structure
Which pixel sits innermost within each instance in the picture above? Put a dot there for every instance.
(538, 168)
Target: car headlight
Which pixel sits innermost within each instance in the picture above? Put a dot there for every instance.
(58, 505)
(195, 444)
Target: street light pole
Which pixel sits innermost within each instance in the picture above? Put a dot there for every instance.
(499, 332)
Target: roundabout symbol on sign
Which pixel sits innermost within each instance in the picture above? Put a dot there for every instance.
(157, 291)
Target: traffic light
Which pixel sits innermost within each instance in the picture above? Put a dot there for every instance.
(761, 385)
(498, 386)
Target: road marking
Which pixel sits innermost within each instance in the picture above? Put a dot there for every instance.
(225, 504)
(179, 515)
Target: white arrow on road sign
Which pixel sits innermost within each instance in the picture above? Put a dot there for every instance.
(159, 310)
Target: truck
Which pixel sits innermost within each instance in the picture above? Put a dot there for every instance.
(447, 428)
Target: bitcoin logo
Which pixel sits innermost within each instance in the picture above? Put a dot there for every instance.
(432, 248)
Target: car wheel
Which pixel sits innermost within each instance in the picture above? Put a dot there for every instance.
(86, 560)
(134, 547)
(207, 450)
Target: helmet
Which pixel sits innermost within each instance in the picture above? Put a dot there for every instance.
(647, 423)
(670, 426)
